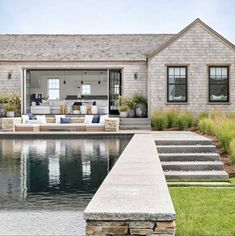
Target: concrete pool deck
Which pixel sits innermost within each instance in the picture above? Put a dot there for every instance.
(134, 190)
(47, 223)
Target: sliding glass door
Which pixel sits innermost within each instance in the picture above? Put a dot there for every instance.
(114, 91)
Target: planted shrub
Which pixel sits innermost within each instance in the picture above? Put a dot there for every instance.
(171, 117)
(206, 126)
(225, 132)
(184, 121)
(232, 150)
(230, 115)
(217, 115)
(159, 120)
(202, 115)
(189, 119)
(181, 122)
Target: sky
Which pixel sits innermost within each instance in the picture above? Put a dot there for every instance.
(114, 16)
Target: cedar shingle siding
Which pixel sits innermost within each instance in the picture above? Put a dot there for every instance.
(196, 47)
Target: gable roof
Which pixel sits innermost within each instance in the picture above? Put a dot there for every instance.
(106, 47)
(182, 32)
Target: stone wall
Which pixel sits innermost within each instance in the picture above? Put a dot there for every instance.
(196, 49)
(97, 228)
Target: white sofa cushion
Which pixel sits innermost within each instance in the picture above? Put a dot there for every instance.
(42, 119)
(102, 118)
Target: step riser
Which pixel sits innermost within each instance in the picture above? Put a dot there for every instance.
(135, 127)
(196, 176)
(189, 158)
(183, 142)
(134, 122)
(194, 149)
(192, 167)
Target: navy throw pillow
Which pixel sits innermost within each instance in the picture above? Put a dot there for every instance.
(30, 115)
(65, 120)
(96, 119)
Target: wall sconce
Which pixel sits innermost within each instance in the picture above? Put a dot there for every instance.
(82, 82)
(9, 75)
(135, 75)
(64, 82)
(99, 82)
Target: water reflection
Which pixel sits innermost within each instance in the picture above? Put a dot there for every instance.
(54, 173)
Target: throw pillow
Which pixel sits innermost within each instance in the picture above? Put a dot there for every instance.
(25, 118)
(65, 120)
(88, 119)
(96, 119)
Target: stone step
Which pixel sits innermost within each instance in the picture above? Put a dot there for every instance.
(125, 121)
(183, 142)
(186, 148)
(133, 127)
(212, 183)
(192, 165)
(196, 174)
(189, 157)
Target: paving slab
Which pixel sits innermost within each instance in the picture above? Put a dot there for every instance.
(126, 193)
(200, 183)
(178, 135)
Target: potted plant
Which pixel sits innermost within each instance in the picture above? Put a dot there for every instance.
(10, 110)
(140, 105)
(13, 105)
(123, 107)
(131, 107)
(3, 101)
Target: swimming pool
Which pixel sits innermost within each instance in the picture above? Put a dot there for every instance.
(54, 174)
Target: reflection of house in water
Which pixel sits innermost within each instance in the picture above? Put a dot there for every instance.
(40, 166)
(9, 169)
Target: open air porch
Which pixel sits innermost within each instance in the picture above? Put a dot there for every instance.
(71, 91)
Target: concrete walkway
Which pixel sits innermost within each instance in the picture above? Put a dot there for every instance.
(135, 188)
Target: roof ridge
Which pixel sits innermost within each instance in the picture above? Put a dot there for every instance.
(115, 34)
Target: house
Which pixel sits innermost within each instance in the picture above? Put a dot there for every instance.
(193, 70)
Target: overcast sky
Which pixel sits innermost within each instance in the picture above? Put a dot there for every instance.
(114, 16)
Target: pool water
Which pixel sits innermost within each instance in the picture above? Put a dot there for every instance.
(54, 174)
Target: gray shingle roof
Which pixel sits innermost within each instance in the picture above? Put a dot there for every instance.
(108, 47)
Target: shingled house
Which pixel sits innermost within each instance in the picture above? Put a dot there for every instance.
(193, 70)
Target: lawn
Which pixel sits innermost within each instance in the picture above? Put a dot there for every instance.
(204, 211)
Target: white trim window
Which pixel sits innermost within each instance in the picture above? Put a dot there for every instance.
(86, 89)
(54, 89)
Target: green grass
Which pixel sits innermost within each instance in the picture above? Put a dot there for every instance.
(204, 211)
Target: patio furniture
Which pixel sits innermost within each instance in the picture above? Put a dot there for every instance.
(27, 127)
(41, 109)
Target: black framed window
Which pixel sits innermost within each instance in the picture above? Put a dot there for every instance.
(177, 84)
(218, 83)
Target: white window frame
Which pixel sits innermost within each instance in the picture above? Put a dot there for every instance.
(53, 88)
(86, 89)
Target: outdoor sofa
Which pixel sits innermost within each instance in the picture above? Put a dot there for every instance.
(62, 123)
